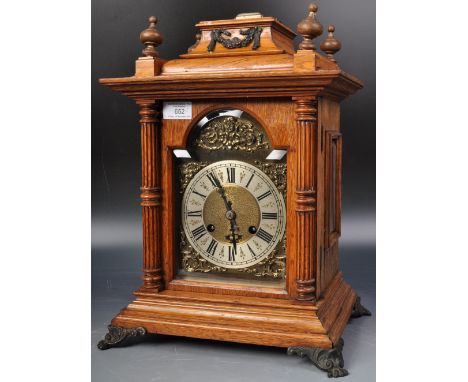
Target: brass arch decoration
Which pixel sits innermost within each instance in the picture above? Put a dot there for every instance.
(231, 133)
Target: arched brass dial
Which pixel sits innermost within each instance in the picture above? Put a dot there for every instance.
(232, 214)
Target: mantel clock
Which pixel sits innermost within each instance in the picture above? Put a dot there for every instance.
(241, 189)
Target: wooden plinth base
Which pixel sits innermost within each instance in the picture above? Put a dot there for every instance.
(261, 321)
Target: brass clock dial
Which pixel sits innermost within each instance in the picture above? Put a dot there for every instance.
(232, 214)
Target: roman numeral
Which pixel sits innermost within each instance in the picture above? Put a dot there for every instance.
(199, 232)
(264, 195)
(251, 251)
(213, 179)
(232, 254)
(212, 247)
(195, 213)
(203, 196)
(265, 236)
(250, 179)
(270, 215)
(231, 174)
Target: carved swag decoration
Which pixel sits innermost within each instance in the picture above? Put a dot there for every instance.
(231, 133)
(274, 265)
(251, 34)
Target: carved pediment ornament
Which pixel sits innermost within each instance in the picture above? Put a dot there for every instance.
(251, 34)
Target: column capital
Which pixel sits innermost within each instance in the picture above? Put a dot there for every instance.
(305, 108)
(148, 112)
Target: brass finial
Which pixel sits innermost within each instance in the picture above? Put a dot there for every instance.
(330, 45)
(309, 28)
(151, 38)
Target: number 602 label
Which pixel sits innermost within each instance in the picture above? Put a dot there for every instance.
(177, 110)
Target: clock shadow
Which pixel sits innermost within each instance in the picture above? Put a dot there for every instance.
(206, 345)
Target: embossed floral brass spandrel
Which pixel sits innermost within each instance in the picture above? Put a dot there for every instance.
(231, 133)
(188, 171)
(192, 261)
(276, 172)
(272, 266)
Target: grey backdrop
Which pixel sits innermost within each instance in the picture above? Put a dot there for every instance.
(116, 231)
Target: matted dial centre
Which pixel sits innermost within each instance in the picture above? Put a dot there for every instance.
(247, 212)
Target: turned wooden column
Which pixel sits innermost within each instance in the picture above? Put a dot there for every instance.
(150, 196)
(306, 186)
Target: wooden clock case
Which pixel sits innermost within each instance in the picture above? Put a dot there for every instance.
(295, 96)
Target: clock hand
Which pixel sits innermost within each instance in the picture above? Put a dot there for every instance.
(227, 203)
(234, 243)
(230, 214)
(222, 192)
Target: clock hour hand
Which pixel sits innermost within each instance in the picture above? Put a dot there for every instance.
(234, 243)
(231, 216)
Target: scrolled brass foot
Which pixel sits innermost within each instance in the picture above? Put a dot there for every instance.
(117, 335)
(329, 360)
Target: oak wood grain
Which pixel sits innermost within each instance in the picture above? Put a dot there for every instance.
(263, 321)
(275, 38)
(175, 135)
(305, 197)
(150, 196)
(332, 83)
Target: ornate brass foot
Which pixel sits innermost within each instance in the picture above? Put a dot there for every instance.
(359, 310)
(117, 335)
(329, 360)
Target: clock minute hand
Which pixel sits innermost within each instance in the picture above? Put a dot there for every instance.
(230, 214)
(222, 192)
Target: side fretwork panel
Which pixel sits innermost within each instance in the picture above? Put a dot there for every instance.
(329, 204)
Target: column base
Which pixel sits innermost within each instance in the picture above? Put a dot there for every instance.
(329, 360)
